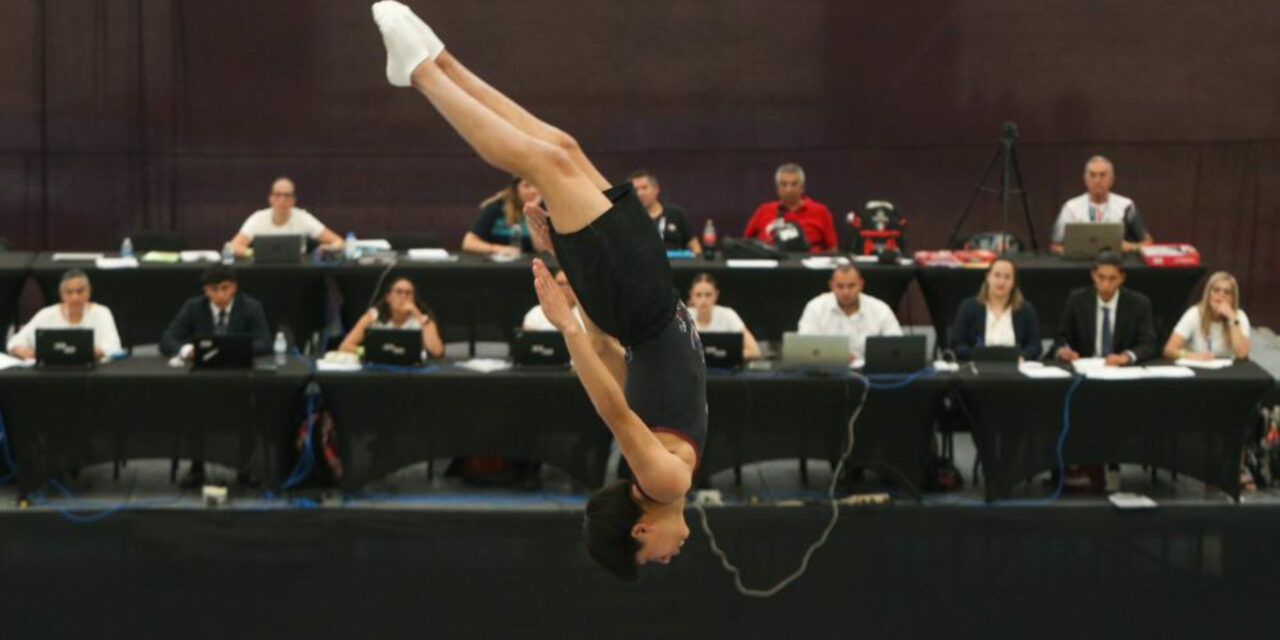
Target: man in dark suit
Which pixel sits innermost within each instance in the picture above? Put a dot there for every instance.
(222, 309)
(1107, 320)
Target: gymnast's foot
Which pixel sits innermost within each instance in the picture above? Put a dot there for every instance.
(408, 40)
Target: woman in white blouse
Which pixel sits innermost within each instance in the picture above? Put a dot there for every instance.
(1215, 328)
(75, 311)
(398, 308)
(713, 318)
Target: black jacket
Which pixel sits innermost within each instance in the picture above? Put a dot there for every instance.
(968, 332)
(195, 318)
(1132, 328)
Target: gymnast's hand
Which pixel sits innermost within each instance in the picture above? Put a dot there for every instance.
(539, 230)
(554, 305)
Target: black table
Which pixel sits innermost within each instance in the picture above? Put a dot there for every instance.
(387, 420)
(14, 268)
(1195, 425)
(145, 299)
(1046, 281)
(59, 420)
(479, 299)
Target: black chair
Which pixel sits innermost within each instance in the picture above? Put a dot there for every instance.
(145, 240)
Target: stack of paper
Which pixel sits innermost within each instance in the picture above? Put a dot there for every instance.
(424, 255)
(1218, 363)
(825, 262)
(68, 256)
(1168, 372)
(743, 263)
(485, 365)
(200, 256)
(122, 262)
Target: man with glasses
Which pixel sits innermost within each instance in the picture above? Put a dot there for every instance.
(282, 218)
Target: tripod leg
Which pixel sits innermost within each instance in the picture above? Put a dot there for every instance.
(1026, 208)
(973, 197)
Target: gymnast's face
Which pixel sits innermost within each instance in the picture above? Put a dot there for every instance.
(660, 536)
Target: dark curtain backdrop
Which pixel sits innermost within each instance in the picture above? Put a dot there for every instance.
(176, 114)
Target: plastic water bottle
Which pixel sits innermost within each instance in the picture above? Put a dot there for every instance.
(126, 248)
(709, 239)
(349, 246)
(228, 254)
(517, 237)
(279, 347)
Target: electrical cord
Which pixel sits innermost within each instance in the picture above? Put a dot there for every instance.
(830, 495)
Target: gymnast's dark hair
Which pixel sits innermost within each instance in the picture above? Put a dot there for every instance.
(611, 514)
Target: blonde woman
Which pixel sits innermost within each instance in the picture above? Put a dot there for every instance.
(1215, 328)
(713, 318)
(499, 214)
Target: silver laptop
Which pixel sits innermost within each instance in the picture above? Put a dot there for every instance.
(1084, 240)
(803, 351)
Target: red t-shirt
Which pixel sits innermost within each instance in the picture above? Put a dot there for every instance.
(812, 217)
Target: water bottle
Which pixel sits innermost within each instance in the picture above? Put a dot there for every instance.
(349, 246)
(709, 239)
(279, 347)
(126, 248)
(228, 254)
(517, 237)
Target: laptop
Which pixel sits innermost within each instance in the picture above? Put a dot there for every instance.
(64, 347)
(803, 351)
(996, 359)
(539, 349)
(722, 349)
(226, 351)
(395, 347)
(282, 249)
(896, 354)
(1084, 240)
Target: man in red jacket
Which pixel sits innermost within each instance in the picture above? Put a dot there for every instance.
(775, 222)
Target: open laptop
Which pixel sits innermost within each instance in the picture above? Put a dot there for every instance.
(282, 249)
(996, 359)
(722, 350)
(395, 347)
(64, 347)
(227, 351)
(539, 349)
(801, 351)
(896, 354)
(1084, 240)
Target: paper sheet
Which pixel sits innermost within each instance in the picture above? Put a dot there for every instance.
(1168, 372)
(122, 262)
(8, 362)
(1218, 363)
(68, 256)
(485, 365)
(1042, 372)
(742, 263)
(200, 256)
(1084, 364)
(428, 254)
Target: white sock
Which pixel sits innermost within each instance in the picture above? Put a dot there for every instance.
(428, 37)
(405, 49)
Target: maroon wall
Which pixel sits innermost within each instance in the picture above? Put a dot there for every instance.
(177, 113)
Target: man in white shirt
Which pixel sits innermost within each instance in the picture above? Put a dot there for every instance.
(282, 218)
(536, 320)
(73, 312)
(846, 310)
(1098, 204)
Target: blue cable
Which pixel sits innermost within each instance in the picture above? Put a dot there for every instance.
(306, 461)
(69, 512)
(899, 382)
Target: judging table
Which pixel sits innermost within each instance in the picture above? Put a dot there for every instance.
(1047, 280)
(58, 420)
(61, 419)
(1195, 426)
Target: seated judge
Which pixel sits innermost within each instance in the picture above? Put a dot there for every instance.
(398, 308)
(793, 207)
(1106, 320)
(1099, 204)
(846, 310)
(536, 320)
(73, 311)
(673, 224)
(1215, 328)
(500, 213)
(997, 317)
(713, 318)
(283, 218)
(221, 310)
